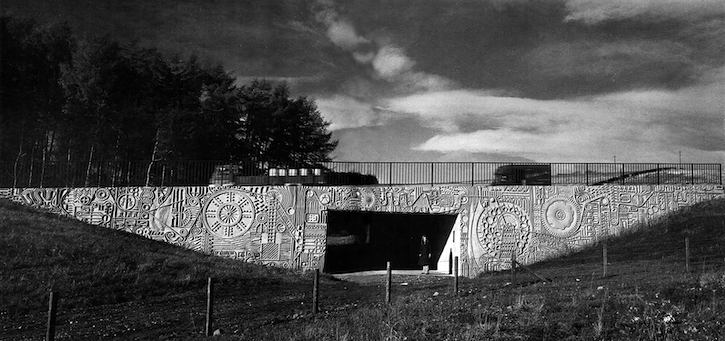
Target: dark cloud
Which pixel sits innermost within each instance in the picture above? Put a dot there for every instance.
(250, 38)
(587, 67)
(535, 49)
(597, 11)
(458, 73)
(531, 49)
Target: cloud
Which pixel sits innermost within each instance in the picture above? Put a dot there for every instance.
(392, 65)
(391, 61)
(343, 34)
(637, 126)
(364, 57)
(445, 109)
(504, 141)
(388, 61)
(344, 112)
(339, 30)
(592, 66)
(593, 11)
(574, 78)
(595, 58)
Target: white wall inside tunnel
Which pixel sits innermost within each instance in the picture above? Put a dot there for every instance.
(452, 249)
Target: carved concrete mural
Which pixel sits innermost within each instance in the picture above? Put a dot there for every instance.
(539, 222)
(286, 226)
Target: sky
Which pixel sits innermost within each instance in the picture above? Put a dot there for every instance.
(460, 80)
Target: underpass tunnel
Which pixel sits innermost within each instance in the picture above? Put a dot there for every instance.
(363, 241)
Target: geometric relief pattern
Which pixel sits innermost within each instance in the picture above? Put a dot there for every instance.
(565, 218)
(504, 229)
(390, 199)
(501, 226)
(250, 223)
(286, 225)
(228, 213)
(393, 199)
(254, 224)
(560, 217)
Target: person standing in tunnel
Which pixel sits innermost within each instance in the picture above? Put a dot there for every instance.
(424, 254)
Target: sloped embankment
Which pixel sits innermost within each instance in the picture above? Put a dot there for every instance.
(124, 286)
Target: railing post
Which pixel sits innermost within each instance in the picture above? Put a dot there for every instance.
(163, 174)
(432, 165)
(390, 176)
(473, 174)
(388, 283)
(113, 173)
(658, 174)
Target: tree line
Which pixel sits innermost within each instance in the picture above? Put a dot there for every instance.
(66, 99)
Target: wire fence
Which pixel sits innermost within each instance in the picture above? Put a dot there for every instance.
(698, 258)
(202, 173)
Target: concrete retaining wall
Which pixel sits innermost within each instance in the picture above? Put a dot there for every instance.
(286, 225)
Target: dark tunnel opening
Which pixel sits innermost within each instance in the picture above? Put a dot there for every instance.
(362, 241)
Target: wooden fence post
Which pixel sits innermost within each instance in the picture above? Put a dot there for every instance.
(388, 284)
(315, 291)
(687, 254)
(455, 276)
(513, 267)
(52, 307)
(209, 307)
(604, 259)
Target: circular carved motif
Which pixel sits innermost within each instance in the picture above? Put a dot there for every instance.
(367, 199)
(102, 194)
(126, 202)
(325, 199)
(503, 229)
(228, 213)
(192, 201)
(561, 216)
(85, 199)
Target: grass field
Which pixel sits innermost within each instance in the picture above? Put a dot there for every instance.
(114, 285)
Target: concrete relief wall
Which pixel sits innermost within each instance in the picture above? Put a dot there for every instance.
(255, 224)
(393, 199)
(286, 226)
(539, 222)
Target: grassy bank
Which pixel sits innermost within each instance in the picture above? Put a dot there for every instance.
(122, 286)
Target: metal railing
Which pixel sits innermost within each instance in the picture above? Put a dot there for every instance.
(477, 173)
(196, 173)
(106, 174)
